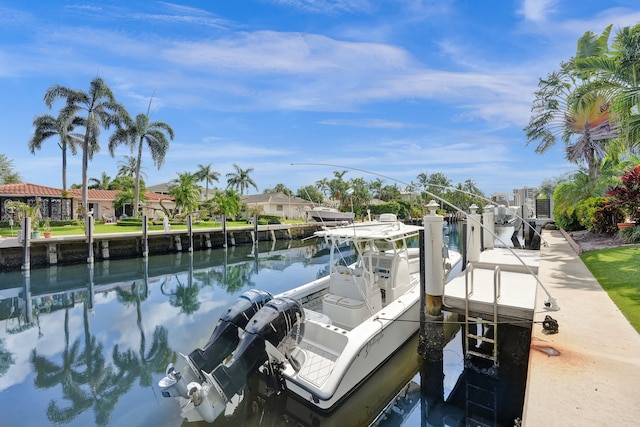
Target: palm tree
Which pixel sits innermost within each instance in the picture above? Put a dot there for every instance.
(102, 183)
(574, 105)
(101, 111)
(186, 191)
(135, 135)
(208, 175)
(228, 203)
(618, 73)
(128, 165)
(323, 186)
(47, 126)
(240, 180)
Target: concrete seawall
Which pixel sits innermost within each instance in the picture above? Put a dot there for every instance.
(61, 250)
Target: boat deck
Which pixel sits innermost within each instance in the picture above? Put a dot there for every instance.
(517, 285)
(318, 364)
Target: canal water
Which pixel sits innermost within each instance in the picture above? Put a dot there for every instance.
(86, 346)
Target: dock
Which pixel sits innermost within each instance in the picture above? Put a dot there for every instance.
(515, 300)
(589, 372)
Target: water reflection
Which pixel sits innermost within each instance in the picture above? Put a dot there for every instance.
(78, 339)
(86, 346)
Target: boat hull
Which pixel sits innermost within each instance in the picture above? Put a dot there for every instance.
(331, 216)
(372, 343)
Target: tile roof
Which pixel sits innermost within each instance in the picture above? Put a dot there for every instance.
(25, 190)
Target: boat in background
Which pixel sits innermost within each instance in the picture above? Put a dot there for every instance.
(319, 341)
(326, 214)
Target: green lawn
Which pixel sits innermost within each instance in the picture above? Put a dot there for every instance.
(618, 271)
(68, 230)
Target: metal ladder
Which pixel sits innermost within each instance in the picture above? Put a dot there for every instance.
(481, 404)
(479, 321)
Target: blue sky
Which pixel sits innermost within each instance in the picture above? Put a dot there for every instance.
(397, 88)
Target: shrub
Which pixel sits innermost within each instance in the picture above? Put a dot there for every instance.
(269, 219)
(630, 234)
(389, 207)
(626, 195)
(599, 215)
(568, 222)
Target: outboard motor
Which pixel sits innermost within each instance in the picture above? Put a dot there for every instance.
(223, 341)
(281, 320)
(225, 336)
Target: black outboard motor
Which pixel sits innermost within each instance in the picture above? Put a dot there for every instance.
(279, 321)
(225, 336)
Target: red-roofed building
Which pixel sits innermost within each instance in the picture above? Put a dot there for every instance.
(54, 206)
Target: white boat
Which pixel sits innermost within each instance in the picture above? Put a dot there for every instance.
(321, 340)
(326, 214)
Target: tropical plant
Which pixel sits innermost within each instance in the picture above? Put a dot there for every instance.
(598, 215)
(572, 104)
(240, 179)
(101, 111)
(279, 188)
(47, 126)
(101, 183)
(7, 174)
(128, 165)
(618, 72)
(626, 195)
(185, 191)
(228, 203)
(360, 196)
(208, 175)
(310, 193)
(323, 186)
(135, 134)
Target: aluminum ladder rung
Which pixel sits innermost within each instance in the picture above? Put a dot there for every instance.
(479, 320)
(481, 338)
(484, 356)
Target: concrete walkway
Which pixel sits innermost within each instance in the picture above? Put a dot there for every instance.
(594, 380)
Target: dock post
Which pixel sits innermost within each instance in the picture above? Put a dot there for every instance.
(90, 237)
(255, 229)
(431, 340)
(52, 253)
(26, 243)
(145, 237)
(473, 234)
(224, 230)
(434, 276)
(489, 223)
(190, 230)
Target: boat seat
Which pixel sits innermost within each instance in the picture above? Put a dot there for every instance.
(344, 312)
(346, 285)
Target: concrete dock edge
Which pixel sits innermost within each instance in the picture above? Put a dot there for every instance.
(588, 374)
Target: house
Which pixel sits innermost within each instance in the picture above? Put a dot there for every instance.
(53, 205)
(278, 204)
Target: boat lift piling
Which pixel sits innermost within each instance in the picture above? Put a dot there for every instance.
(473, 234)
(488, 229)
(431, 341)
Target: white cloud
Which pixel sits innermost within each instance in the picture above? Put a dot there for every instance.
(537, 10)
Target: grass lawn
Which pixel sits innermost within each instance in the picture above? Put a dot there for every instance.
(618, 271)
(100, 228)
